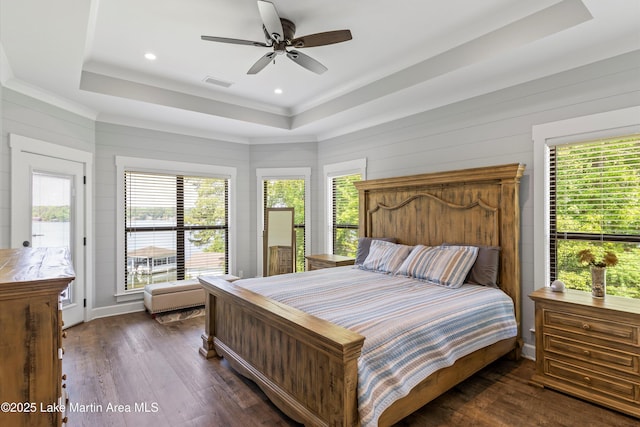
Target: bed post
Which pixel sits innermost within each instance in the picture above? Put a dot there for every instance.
(207, 349)
(510, 235)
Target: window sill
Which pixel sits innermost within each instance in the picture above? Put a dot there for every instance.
(135, 295)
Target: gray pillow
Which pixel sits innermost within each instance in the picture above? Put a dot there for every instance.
(486, 268)
(364, 244)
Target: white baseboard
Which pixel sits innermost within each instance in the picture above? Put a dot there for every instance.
(529, 352)
(114, 310)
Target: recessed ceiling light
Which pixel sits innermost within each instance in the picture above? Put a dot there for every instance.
(277, 91)
(150, 56)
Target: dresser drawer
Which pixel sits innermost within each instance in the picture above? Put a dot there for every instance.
(594, 327)
(594, 382)
(593, 354)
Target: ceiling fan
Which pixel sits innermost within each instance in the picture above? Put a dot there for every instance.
(279, 34)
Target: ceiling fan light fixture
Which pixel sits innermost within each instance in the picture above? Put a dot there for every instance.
(280, 34)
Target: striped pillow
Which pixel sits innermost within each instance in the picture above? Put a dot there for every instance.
(443, 265)
(385, 257)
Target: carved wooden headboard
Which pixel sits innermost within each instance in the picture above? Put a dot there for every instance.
(477, 206)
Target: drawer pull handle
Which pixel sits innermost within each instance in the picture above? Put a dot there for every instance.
(586, 326)
(587, 353)
(587, 380)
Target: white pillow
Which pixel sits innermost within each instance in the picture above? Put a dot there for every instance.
(385, 257)
(443, 265)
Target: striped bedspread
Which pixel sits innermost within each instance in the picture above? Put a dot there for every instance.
(411, 328)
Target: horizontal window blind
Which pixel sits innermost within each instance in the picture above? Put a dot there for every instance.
(345, 214)
(176, 227)
(594, 203)
(597, 187)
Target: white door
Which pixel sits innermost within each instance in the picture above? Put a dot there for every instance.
(49, 212)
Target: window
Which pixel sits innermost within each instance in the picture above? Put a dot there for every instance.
(287, 188)
(607, 127)
(595, 204)
(342, 212)
(175, 225)
(288, 193)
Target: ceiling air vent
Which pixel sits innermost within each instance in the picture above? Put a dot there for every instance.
(217, 82)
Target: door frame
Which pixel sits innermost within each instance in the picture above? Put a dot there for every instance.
(21, 145)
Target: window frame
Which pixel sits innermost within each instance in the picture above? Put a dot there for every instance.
(283, 174)
(137, 164)
(605, 125)
(335, 170)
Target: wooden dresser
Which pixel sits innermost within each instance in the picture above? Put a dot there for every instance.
(31, 379)
(316, 262)
(589, 347)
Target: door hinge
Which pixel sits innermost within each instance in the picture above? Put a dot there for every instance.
(84, 241)
(85, 302)
(84, 180)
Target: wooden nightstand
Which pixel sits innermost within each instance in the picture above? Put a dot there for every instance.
(589, 347)
(316, 262)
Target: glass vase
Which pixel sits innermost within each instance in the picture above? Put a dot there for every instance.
(598, 282)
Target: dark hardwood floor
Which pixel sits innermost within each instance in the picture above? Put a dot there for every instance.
(156, 375)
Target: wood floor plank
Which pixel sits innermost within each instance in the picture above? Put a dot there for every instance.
(132, 359)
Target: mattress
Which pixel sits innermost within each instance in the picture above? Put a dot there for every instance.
(412, 328)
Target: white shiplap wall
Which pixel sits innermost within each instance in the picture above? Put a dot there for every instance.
(26, 116)
(486, 130)
(490, 130)
(116, 140)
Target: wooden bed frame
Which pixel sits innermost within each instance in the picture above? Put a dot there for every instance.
(308, 366)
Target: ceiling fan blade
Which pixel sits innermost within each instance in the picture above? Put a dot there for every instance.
(306, 61)
(233, 41)
(271, 20)
(322, 39)
(261, 63)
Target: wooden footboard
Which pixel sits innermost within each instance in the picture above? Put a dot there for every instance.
(305, 365)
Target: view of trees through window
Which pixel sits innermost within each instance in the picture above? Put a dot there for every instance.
(345, 215)
(595, 204)
(289, 193)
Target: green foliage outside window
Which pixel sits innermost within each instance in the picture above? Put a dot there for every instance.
(289, 193)
(51, 213)
(209, 209)
(345, 215)
(597, 207)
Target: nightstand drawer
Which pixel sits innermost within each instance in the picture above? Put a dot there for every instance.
(595, 382)
(592, 354)
(598, 328)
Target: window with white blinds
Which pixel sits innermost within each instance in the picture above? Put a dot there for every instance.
(595, 204)
(344, 211)
(176, 227)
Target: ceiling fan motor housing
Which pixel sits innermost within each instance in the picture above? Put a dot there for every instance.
(288, 28)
